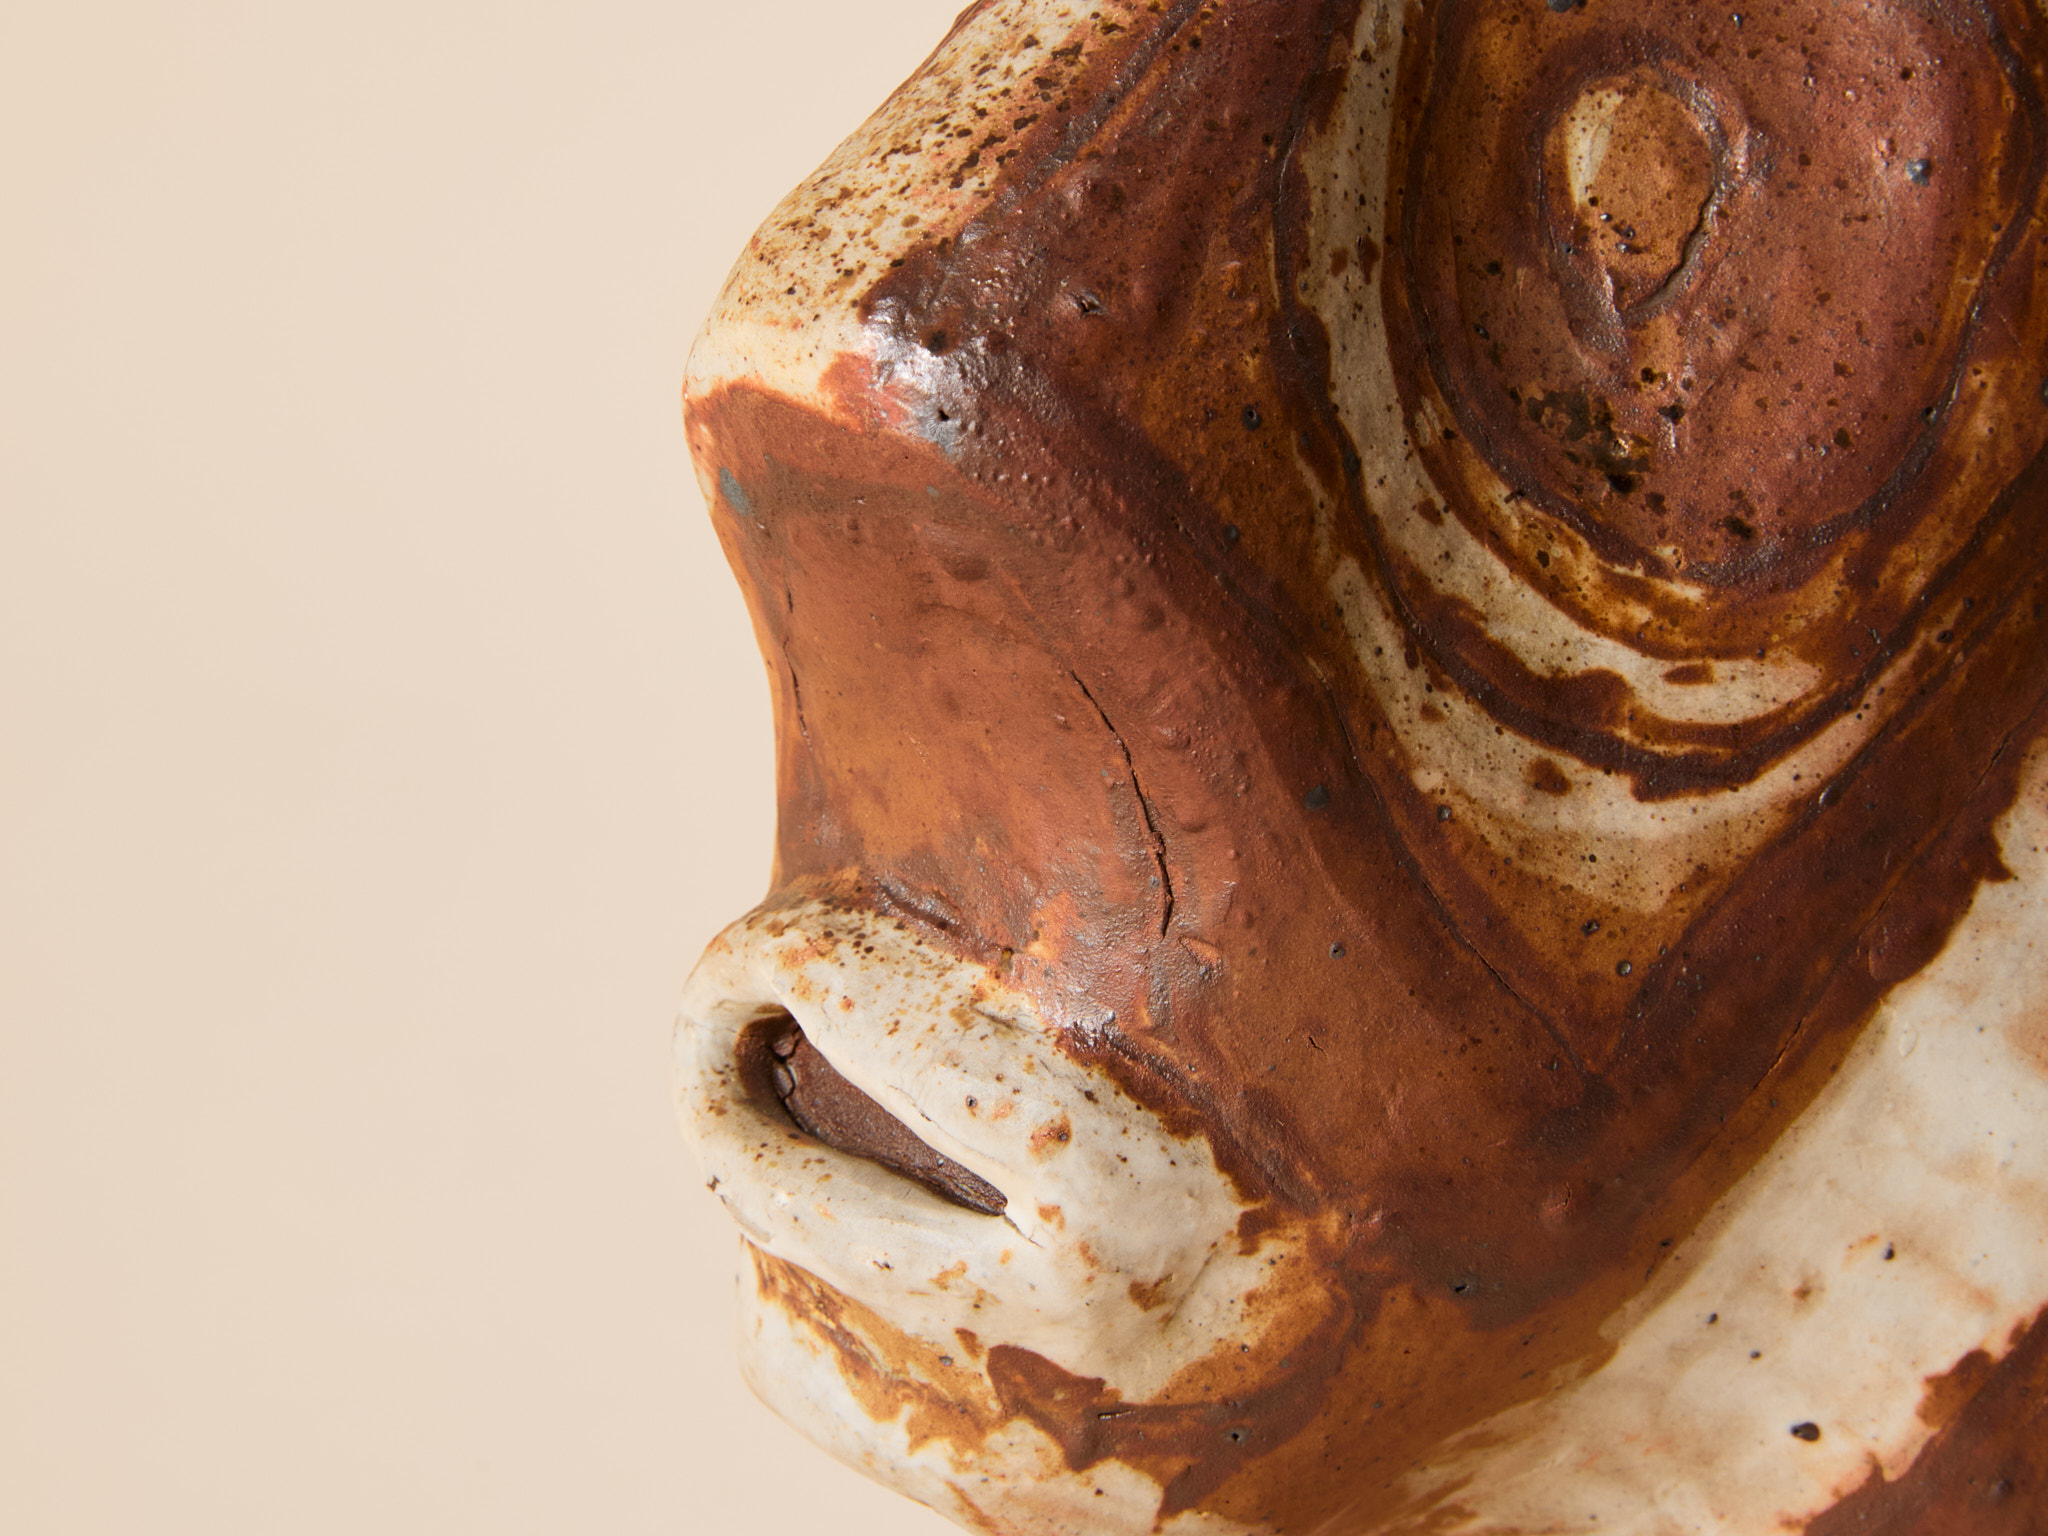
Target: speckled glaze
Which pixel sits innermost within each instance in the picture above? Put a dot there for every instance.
(1417, 630)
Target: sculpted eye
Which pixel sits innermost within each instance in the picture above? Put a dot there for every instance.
(1703, 296)
(776, 1054)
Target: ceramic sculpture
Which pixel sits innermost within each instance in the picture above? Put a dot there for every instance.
(1409, 656)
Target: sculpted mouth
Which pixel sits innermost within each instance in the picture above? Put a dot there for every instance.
(903, 1125)
(823, 1104)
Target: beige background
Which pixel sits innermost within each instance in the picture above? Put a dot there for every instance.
(380, 740)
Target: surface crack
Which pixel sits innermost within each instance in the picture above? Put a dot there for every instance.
(796, 699)
(1158, 839)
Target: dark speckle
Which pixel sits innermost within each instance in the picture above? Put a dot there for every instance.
(1336, 951)
(1252, 419)
(1443, 813)
(1561, 6)
(1590, 927)
(1231, 534)
(1809, 1431)
(1316, 798)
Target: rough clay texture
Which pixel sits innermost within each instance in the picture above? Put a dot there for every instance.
(1434, 612)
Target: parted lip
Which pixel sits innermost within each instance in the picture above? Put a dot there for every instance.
(823, 1104)
(1115, 1241)
(755, 987)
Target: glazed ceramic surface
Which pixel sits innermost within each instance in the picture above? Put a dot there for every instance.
(1409, 656)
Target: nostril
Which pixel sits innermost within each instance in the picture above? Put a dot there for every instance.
(778, 1059)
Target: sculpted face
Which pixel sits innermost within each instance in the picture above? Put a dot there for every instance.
(1408, 648)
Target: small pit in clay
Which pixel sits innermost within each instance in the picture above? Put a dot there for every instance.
(779, 1062)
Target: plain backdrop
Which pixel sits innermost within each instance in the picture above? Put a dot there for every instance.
(381, 738)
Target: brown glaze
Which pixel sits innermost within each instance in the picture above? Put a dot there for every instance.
(825, 1105)
(1986, 1471)
(884, 1366)
(1059, 678)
